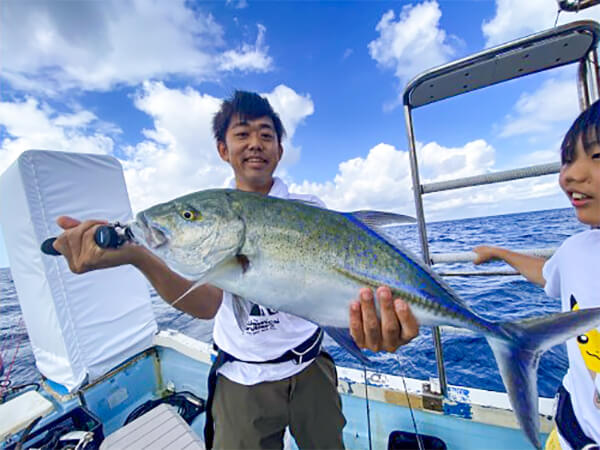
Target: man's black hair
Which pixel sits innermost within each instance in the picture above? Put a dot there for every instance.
(586, 126)
(249, 105)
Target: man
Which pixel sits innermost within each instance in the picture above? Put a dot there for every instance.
(262, 386)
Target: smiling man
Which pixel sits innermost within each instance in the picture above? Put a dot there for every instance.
(255, 401)
(258, 384)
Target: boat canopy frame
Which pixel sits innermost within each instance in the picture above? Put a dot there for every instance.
(571, 43)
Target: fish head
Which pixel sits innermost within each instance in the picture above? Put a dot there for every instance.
(192, 234)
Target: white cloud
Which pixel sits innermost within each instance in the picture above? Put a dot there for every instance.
(177, 155)
(237, 4)
(379, 181)
(517, 18)
(29, 124)
(441, 163)
(53, 46)
(248, 57)
(413, 42)
(554, 103)
(383, 181)
(294, 108)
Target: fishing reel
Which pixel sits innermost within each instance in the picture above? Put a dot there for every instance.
(112, 235)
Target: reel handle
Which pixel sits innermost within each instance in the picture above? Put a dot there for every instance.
(106, 236)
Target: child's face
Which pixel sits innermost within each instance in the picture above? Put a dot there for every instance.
(580, 180)
(252, 148)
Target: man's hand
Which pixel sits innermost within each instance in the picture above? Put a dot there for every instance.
(77, 245)
(398, 326)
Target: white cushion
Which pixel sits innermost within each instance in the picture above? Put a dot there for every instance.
(20, 411)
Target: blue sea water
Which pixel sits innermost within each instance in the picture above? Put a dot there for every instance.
(469, 361)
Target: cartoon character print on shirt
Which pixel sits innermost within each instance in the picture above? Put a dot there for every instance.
(261, 319)
(589, 346)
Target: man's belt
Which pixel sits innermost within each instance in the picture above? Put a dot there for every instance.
(307, 350)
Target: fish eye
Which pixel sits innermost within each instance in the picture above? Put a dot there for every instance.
(190, 215)
(583, 339)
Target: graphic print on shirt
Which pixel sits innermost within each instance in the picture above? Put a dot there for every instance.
(261, 319)
(589, 346)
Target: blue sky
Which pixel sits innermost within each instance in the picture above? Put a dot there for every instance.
(140, 80)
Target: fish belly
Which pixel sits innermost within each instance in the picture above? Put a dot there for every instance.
(321, 297)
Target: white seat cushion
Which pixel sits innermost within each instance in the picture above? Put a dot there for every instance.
(20, 411)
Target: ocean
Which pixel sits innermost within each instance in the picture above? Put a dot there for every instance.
(468, 359)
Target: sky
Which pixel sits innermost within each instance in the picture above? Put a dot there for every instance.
(141, 80)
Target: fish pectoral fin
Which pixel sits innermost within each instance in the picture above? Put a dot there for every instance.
(196, 284)
(344, 339)
(378, 219)
(241, 311)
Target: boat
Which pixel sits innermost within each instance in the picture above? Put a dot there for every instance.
(111, 379)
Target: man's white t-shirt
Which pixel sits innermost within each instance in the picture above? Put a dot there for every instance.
(268, 333)
(573, 273)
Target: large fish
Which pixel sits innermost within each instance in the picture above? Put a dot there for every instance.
(308, 261)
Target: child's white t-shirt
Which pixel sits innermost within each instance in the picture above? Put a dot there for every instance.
(268, 333)
(573, 273)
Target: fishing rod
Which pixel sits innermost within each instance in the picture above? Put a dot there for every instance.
(112, 235)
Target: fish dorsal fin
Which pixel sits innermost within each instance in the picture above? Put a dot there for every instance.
(379, 219)
(306, 202)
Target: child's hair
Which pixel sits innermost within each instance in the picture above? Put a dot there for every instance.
(586, 126)
(248, 105)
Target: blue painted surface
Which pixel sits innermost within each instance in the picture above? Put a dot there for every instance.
(457, 433)
(115, 398)
(459, 409)
(185, 374)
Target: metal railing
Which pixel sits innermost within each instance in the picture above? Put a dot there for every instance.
(458, 257)
(571, 43)
(576, 5)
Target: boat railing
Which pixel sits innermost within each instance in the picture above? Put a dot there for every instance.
(576, 5)
(463, 257)
(495, 177)
(567, 44)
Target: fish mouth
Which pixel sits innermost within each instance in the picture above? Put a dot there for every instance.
(152, 234)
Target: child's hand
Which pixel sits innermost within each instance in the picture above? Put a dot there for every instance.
(484, 254)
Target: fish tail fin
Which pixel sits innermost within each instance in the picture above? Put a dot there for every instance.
(518, 347)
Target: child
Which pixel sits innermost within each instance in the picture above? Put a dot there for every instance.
(572, 273)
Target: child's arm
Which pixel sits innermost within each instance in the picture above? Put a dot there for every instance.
(528, 266)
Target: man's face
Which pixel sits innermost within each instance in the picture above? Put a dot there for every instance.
(252, 148)
(580, 180)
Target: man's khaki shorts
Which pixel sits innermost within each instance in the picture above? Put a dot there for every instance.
(255, 417)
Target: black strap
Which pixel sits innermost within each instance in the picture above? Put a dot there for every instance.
(307, 350)
(567, 424)
(209, 426)
(304, 352)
